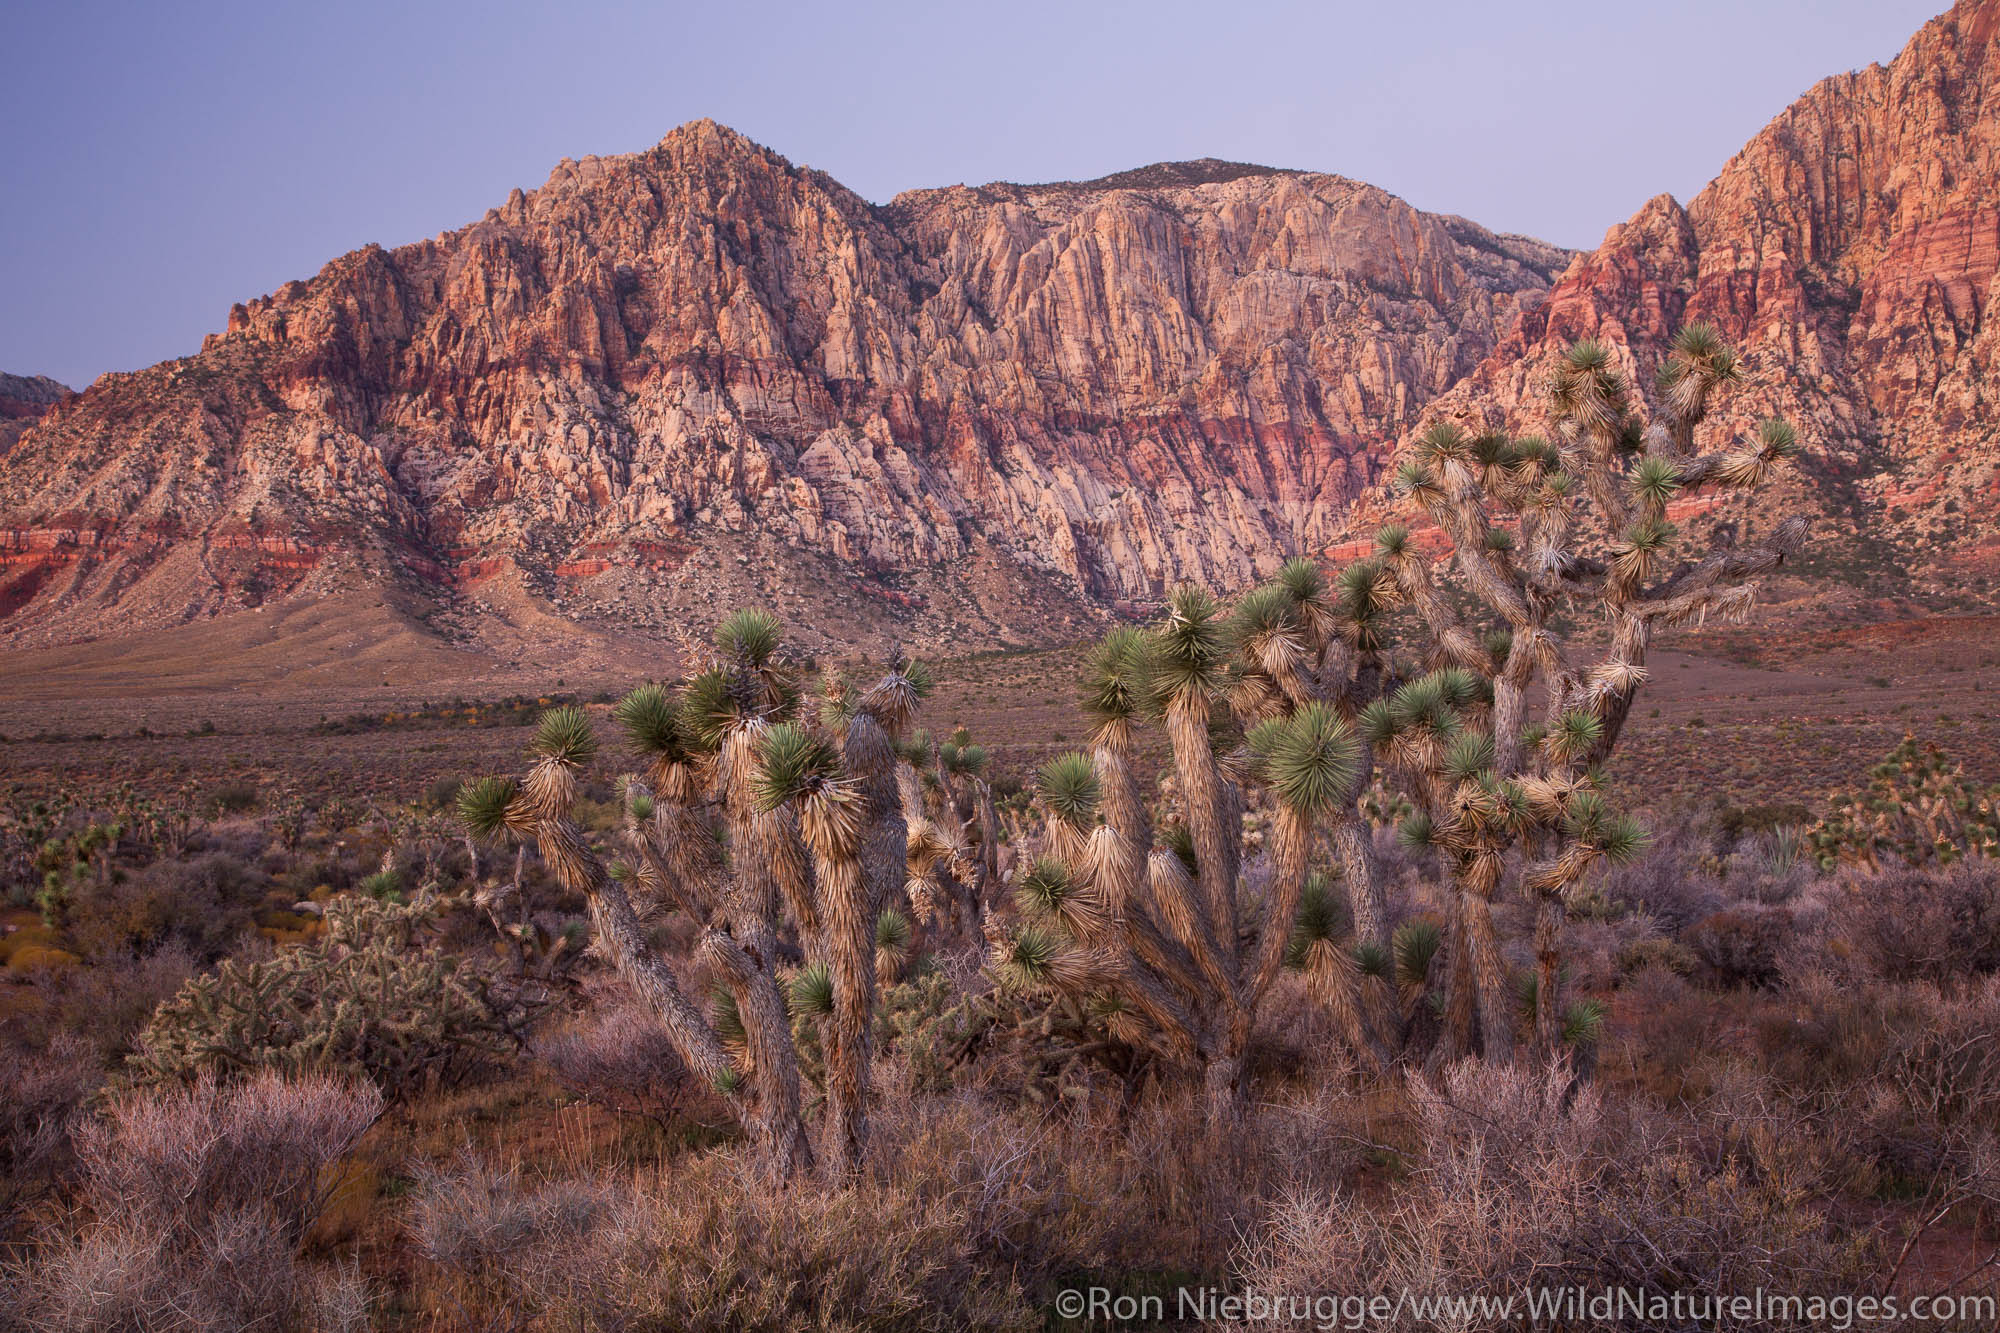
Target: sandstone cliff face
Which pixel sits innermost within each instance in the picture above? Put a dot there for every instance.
(1851, 249)
(701, 353)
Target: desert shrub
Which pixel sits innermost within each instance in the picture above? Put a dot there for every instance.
(1664, 1035)
(199, 1198)
(616, 1055)
(1936, 924)
(1661, 951)
(716, 1246)
(1521, 1180)
(106, 1004)
(39, 1100)
(1910, 1073)
(203, 904)
(1738, 946)
(233, 798)
(372, 997)
(930, 1024)
(1736, 822)
(181, 1157)
(968, 1216)
(39, 961)
(336, 870)
(1673, 880)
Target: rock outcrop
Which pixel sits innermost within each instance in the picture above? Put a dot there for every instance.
(23, 399)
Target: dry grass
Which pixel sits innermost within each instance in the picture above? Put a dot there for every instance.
(195, 1202)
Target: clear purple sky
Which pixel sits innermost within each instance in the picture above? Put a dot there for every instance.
(163, 160)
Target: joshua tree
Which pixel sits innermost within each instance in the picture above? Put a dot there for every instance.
(1484, 779)
(1165, 947)
(730, 763)
(1155, 940)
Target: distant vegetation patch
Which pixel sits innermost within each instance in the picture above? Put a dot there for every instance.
(514, 711)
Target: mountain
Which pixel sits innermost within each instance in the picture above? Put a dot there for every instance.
(700, 375)
(1851, 251)
(23, 399)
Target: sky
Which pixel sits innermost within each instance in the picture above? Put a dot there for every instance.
(161, 162)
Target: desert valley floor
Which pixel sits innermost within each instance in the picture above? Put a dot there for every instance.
(343, 695)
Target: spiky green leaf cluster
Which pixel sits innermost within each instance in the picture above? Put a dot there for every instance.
(1415, 945)
(652, 720)
(1069, 789)
(1265, 611)
(1777, 439)
(965, 757)
(1046, 889)
(1617, 837)
(810, 990)
(726, 1017)
(1027, 961)
(1322, 916)
(564, 736)
(1311, 760)
(1443, 442)
(1574, 735)
(1114, 678)
(1656, 480)
(792, 762)
(1303, 580)
(1582, 1023)
(1468, 756)
(1188, 650)
(710, 706)
(483, 803)
(892, 931)
(750, 636)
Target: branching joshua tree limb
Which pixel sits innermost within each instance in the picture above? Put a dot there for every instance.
(1485, 780)
(1262, 707)
(1166, 952)
(756, 826)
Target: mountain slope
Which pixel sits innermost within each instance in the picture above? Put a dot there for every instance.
(700, 371)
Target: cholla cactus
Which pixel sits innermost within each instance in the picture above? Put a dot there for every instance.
(804, 812)
(373, 996)
(1918, 806)
(1483, 778)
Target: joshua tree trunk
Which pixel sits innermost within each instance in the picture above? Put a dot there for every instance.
(1364, 888)
(1203, 803)
(578, 869)
(851, 959)
(1489, 978)
(871, 759)
(1549, 915)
